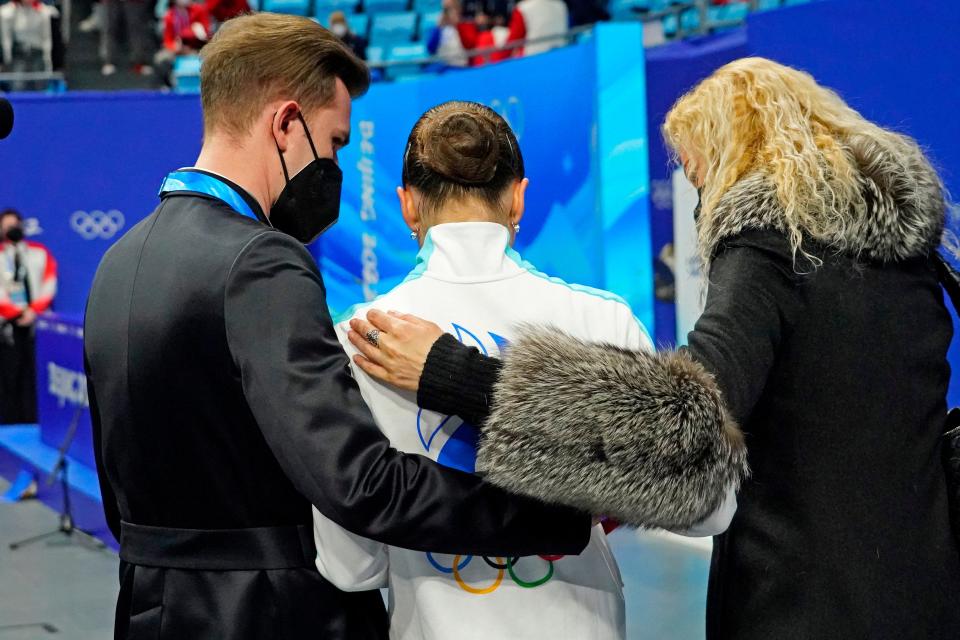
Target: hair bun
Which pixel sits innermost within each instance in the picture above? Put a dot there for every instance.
(461, 147)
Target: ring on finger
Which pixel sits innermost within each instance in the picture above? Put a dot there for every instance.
(373, 337)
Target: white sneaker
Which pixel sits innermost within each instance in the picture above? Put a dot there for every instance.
(108, 69)
(89, 24)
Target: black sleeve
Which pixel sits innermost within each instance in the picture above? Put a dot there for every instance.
(111, 509)
(752, 295)
(297, 383)
(458, 380)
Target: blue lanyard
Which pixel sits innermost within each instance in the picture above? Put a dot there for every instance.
(207, 185)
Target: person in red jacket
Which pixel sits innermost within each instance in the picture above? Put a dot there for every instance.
(186, 28)
(223, 10)
(28, 284)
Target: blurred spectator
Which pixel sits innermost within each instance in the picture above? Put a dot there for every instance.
(26, 38)
(138, 16)
(186, 28)
(223, 10)
(28, 283)
(340, 28)
(534, 19)
(445, 39)
(491, 31)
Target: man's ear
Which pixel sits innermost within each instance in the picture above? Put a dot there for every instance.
(408, 208)
(284, 115)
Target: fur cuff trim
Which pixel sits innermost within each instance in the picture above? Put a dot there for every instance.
(641, 437)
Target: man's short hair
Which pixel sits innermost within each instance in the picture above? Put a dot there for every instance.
(255, 59)
(9, 211)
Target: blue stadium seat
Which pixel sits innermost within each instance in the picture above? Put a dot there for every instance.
(293, 7)
(325, 7)
(427, 6)
(359, 23)
(729, 13)
(186, 74)
(415, 51)
(375, 54)
(790, 3)
(427, 22)
(767, 5)
(690, 20)
(393, 28)
(627, 9)
(670, 25)
(384, 6)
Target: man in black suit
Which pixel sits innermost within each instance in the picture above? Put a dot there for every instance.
(222, 402)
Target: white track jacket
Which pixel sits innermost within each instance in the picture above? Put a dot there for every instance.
(469, 281)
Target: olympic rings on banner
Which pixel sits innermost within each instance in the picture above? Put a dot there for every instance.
(535, 583)
(442, 569)
(494, 565)
(474, 590)
(97, 224)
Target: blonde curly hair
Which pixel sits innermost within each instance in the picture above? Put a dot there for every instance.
(755, 115)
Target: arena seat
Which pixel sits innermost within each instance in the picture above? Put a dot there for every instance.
(397, 53)
(359, 23)
(427, 22)
(293, 7)
(186, 74)
(626, 9)
(384, 6)
(427, 6)
(393, 28)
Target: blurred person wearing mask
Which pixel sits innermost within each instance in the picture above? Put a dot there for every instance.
(341, 29)
(221, 401)
(29, 284)
(536, 19)
(186, 29)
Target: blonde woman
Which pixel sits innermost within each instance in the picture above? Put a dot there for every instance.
(826, 332)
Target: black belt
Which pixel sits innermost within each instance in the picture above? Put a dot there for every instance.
(218, 549)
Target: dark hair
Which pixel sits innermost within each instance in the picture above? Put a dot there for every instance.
(459, 149)
(9, 211)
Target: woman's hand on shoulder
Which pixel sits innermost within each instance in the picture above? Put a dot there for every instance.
(403, 342)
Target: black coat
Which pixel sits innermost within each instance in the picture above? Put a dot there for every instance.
(833, 362)
(221, 400)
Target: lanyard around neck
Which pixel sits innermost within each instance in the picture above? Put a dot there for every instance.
(195, 182)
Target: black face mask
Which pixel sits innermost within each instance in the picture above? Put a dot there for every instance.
(310, 202)
(15, 234)
(696, 209)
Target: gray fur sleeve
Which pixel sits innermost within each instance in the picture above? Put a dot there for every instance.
(640, 437)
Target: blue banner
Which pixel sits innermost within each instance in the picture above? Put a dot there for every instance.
(62, 386)
(583, 199)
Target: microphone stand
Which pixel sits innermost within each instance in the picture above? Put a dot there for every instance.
(67, 525)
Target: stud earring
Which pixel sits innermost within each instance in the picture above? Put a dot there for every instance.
(414, 235)
(516, 228)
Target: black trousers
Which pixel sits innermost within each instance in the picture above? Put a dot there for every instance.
(18, 375)
(280, 604)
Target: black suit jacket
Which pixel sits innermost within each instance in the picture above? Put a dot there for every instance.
(221, 399)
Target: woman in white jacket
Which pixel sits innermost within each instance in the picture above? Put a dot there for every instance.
(463, 198)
